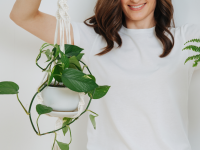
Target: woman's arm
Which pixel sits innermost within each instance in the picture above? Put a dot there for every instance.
(25, 13)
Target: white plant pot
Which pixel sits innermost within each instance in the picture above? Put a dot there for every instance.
(61, 99)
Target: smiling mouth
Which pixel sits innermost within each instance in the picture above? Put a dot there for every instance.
(137, 7)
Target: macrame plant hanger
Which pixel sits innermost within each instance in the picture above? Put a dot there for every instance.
(63, 22)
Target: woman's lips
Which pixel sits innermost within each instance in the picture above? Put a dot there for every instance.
(135, 9)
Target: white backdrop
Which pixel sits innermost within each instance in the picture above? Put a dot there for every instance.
(18, 51)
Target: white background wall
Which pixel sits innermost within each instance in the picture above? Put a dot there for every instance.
(18, 51)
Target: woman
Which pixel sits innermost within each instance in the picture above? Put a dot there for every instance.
(143, 62)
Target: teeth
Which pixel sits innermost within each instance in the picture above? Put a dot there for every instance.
(137, 6)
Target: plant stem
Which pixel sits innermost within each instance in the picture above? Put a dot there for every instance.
(43, 69)
(29, 111)
(39, 66)
(22, 105)
(70, 134)
(54, 141)
(38, 57)
(86, 67)
(42, 84)
(38, 125)
(49, 64)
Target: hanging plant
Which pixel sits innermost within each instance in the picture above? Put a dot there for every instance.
(66, 72)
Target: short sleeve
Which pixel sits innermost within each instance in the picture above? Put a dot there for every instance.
(192, 31)
(84, 37)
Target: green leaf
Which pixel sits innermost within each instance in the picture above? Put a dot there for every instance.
(66, 121)
(48, 54)
(196, 62)
(8, 87)
(50, 76)
(56, 51)
(92, 77)
(64, 60)
(59, 61)
(192, 47)
(63, 146)
(77, 80)
(100, 91)
(193, 40)
(92, 119)
(72, 50)
(73, 66)
(58, 70)
(192, 57)
(42, 109)
(74, 60)
(79, 56)
(65, 130)
(48, 71)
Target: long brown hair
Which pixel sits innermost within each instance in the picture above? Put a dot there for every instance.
(109, 17)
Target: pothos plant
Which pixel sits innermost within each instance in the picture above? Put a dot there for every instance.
(195, 48)
(66, 72)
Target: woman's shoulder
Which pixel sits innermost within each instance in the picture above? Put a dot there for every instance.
(186, 27)
(187, 31)
(192, 29)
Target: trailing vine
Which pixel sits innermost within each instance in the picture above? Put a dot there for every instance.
(66, 68)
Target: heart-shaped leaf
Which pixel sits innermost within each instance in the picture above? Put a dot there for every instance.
(77, 80)
(92, 119)
(72, 50)
(74, 60)
(65, 130)
(42, 109)
(63, 146)
(100, 91)
(8, 87)
(65, 122)
(79, 56)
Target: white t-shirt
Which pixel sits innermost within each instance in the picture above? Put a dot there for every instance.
(146, 107)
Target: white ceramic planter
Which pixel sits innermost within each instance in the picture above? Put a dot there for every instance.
(60, 98)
